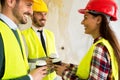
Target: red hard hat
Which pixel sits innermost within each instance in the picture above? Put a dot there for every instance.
(108, 7)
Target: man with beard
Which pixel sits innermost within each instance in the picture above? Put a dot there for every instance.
(13, 61)
(40, 42)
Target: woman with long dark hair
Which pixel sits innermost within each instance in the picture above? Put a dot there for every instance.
(102, 60)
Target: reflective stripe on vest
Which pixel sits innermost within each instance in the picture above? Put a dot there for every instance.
(84, 66)
(16, 64)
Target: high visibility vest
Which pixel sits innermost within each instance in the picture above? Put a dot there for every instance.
(35, 49)
(16, 64)
(84, 66)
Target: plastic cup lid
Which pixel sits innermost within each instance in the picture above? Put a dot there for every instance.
(41, 62)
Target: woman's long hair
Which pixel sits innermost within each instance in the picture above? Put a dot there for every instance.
(107, 33)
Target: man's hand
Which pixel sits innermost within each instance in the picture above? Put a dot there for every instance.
(39, 73)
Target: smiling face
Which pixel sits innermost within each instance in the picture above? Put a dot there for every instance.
(91, 24)
(22, 10)
(39, 19)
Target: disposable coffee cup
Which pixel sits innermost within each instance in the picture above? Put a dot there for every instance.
(53, 56)
(57, 61)
(40, 63)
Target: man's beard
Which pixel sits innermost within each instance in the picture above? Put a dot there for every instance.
(21, 19)
(38, 23)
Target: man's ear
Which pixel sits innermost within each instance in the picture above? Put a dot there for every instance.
(11, 3)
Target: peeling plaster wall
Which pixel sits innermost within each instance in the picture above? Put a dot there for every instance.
(58, 19)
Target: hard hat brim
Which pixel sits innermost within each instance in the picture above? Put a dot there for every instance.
(82, 11)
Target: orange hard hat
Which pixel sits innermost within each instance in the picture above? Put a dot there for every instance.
(108, 7)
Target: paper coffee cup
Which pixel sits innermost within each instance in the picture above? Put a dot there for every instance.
(40, 63)
(53, 56)
(56, 61)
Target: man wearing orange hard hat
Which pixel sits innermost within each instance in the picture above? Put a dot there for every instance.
(13, 60)
(40, 41)
(102, 61)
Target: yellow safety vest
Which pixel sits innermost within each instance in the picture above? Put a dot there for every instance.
(84, 66)
(16, 64)
(35, 49)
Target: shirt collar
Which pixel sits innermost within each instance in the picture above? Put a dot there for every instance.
(35, 29)
(8, 21)
(98, 38)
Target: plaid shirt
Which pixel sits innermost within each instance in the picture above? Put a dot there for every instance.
(100, 65)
